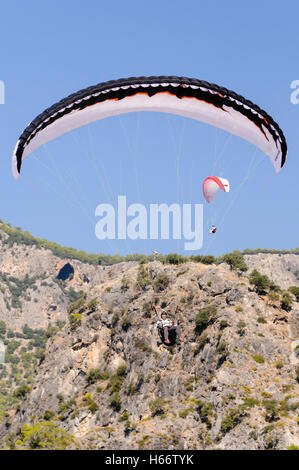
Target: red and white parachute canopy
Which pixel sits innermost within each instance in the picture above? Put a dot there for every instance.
(211, 185)
(187, 97)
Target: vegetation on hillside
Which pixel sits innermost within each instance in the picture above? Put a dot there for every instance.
(23, 353)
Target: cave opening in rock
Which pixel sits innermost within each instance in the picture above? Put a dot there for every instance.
(66, 272)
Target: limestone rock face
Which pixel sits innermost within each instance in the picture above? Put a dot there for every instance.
(106, 380)
(283, 269)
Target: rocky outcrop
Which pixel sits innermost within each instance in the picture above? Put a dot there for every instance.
(36, 286)
(107, 381)
(283, 269)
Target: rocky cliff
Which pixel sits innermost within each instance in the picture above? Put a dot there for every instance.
(89, 371)
(281, 268)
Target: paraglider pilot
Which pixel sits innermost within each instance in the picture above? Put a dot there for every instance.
(168, 325)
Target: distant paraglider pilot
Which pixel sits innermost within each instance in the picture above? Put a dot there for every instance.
(211, 186)
(213, 229)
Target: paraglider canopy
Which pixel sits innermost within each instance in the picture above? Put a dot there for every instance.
(212, 184)
(189, 97)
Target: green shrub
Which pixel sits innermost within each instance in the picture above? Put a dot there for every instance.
(44, 435)
(2, 327)
(51, 331)
(250, 402)
(271, 409)
(48, 415)
(233, 418)
(202, 340)
(203, 259)
(174, 258)
(189, 387)
(292, 447)
(94, 375)
(223, 324)
(121, 371)
(143, 279)
(161, 282)
(286, 301)
(92, 406)
(273, 296)
(12, 346)
(157, 406)
(71, 294)
(143, 441)
(75, 319)
(114, 320)
(131, 389)
(253, 435)
(295, 291)
(147, 309)
(222, 348)
(134, 388)
(258, 358)
(92, 306)
(22, 391)
(65, 406)
(125, 283)
(124, 416)
(115, 401)
(77, 306)
(88, 397)
(204, 317)
(261, 320)
(260, 282)
(126, 323)
(184, 413)
(235, 260)
(205, 410)
(115, 383)
(144, 347)
(274, 287)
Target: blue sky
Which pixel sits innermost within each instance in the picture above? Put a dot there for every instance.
(49, 50)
